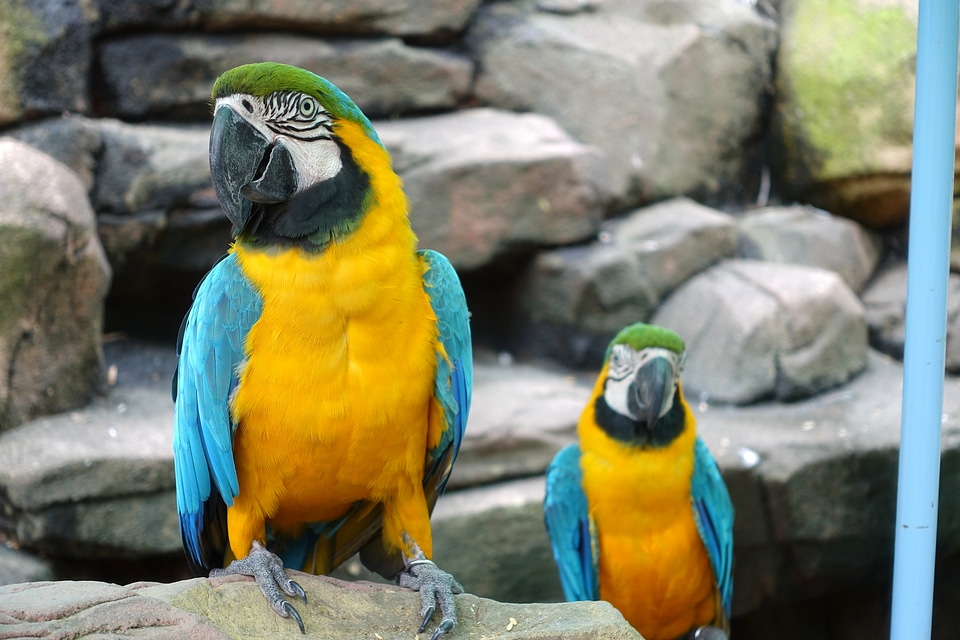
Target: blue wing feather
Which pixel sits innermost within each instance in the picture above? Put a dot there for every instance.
(210, 348)
(568, 524)
(453, 383)
(713, 512)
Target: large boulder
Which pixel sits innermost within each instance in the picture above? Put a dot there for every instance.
(759, 330)
(843, 120)
(171, 75)
(54, 280)
(674, 100)
(573, 300)
(810, 236)
(483, 183)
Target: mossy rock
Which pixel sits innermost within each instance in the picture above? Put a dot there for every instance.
(844, 119)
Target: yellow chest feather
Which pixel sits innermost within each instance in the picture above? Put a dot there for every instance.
(333, 398)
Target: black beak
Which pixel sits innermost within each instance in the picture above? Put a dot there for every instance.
(246, 167)
(651, 385)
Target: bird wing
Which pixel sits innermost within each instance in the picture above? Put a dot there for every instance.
(571, 532)
(210, 349)
(713, 512)
(453, 383)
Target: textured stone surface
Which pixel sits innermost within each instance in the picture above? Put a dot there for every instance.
(483, 182)
(844, 113)
(760, 329)
(429, 18)
(573, 300)
(234, 608)
(635, 87)
(810, 236)
(172, 75)
(519, 418)
(54, 280)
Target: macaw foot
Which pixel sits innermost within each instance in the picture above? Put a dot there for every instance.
(707, 633)
(436, 587)
(267, 569)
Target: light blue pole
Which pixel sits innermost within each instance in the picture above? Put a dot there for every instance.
(923, 359)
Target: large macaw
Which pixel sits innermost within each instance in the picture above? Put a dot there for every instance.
(325, 366)
(638, 514)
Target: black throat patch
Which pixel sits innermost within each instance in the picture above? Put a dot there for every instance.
(635, 432)
(318, 215)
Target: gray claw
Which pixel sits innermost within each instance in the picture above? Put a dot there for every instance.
(291, 611)
(427, 614)
(267, 569)
(437, 588)
(443, 627)
(298, 591)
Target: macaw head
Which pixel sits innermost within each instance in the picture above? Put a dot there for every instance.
(639, 403)
(286, 150)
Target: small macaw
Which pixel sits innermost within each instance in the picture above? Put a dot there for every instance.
(638, 513)
(325, 365)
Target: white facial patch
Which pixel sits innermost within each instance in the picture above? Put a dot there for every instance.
(621, 378)
(282, 119)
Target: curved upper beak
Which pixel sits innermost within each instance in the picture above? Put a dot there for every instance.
(246, 167)
(653, 391)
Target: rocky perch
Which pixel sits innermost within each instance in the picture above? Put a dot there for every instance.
(234, 609)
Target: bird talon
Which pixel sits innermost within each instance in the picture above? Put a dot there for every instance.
(445, 626)
(298, 591)
(427, 614)
(290, 611)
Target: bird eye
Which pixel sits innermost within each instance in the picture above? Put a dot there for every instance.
(246, 105)
(308, 107)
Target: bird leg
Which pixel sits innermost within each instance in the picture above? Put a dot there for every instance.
(267, 569)
(436, 587)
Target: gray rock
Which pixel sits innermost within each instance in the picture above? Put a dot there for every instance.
(675, 106)
(675, 240)
(145, 167)
(73, 140)
(759, 329)
(509, 553)
(94, 482)
(810, 236)
(55, 278)
(46, 58)
(209, 609)
(885, 301)
(172, 75)
(18, 566)
(482, 182)
(433, 18)
(573, 300)
(519, 418)
(843, 117)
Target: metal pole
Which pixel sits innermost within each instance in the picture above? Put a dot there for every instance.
(931, 200)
